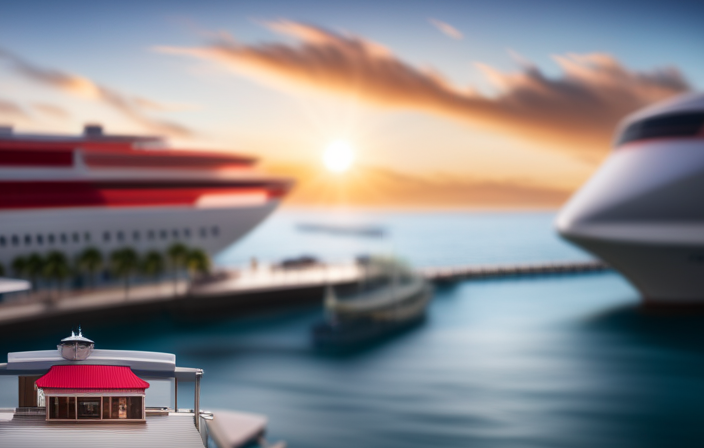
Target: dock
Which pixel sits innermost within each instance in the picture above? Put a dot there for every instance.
(449, 274)
(231, 292)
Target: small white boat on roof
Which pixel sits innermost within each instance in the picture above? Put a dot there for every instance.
(78, 396)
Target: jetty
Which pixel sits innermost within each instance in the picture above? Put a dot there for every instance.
(231, 292)
(449, 274)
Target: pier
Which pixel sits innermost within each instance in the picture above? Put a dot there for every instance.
(232, 292)
(448, 274)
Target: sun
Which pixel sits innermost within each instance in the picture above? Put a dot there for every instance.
(338, 156)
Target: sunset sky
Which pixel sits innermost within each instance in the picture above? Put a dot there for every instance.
(444, 103)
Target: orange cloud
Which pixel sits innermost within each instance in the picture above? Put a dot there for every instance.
(370, 186)
(12, 110)
(79, 86)
(447, 29)
(576, 111)
(51, 109)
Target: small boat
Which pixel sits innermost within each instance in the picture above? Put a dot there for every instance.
(390, 299)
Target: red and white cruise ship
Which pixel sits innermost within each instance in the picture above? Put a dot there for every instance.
(70, 192)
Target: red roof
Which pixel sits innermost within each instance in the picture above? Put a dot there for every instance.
(91, 377)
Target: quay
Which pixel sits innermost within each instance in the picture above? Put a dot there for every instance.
(231, 292)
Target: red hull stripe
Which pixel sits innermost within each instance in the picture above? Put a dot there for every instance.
(35, 158)
(25, 195)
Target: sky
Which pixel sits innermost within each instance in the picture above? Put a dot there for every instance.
(445, 104)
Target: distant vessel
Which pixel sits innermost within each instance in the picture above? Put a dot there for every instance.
(390, 299)
(70, 192)
(643, 211)
(342, 230)
(76, 396)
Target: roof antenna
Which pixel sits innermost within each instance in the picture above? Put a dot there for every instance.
(80, 334)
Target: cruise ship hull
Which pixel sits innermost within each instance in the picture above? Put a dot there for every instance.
(643, 211)
(142, 228)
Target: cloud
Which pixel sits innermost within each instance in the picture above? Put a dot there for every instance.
(372, 186)
(447, 29)
(12, 110)
(51, 109)
(576, 111)
(79, 86)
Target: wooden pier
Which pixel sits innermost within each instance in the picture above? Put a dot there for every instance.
(473, 271)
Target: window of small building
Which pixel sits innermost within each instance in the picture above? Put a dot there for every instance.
(135, 235)
(174, 233)
(89, 407)
(15, 240)
(215, 230)
(50, 238)
(2, 241)
(28, 239)
(40, 239)
(76, 237)
(150, 235)
(203, 232)
(119, 408)
(163, 234)
(62, 408)
(64, 238)
(187, 233)
(120, 236)
(106, 236)
(86, 237)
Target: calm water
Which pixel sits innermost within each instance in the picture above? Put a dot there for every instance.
(561, 361)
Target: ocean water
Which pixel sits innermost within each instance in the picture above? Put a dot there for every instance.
(552, 361)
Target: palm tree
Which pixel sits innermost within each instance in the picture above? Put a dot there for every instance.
(197, 262)
(90, 261)
(177, 254)
(123, 263)
(153, 264)
(35, 268)
(56, 267)
(19, 267)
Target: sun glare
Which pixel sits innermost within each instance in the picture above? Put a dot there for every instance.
(338, 156)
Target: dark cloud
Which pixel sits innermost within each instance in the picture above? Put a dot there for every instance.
(577, 111)
(132, 108)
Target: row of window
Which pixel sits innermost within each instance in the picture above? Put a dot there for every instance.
(119, 236)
